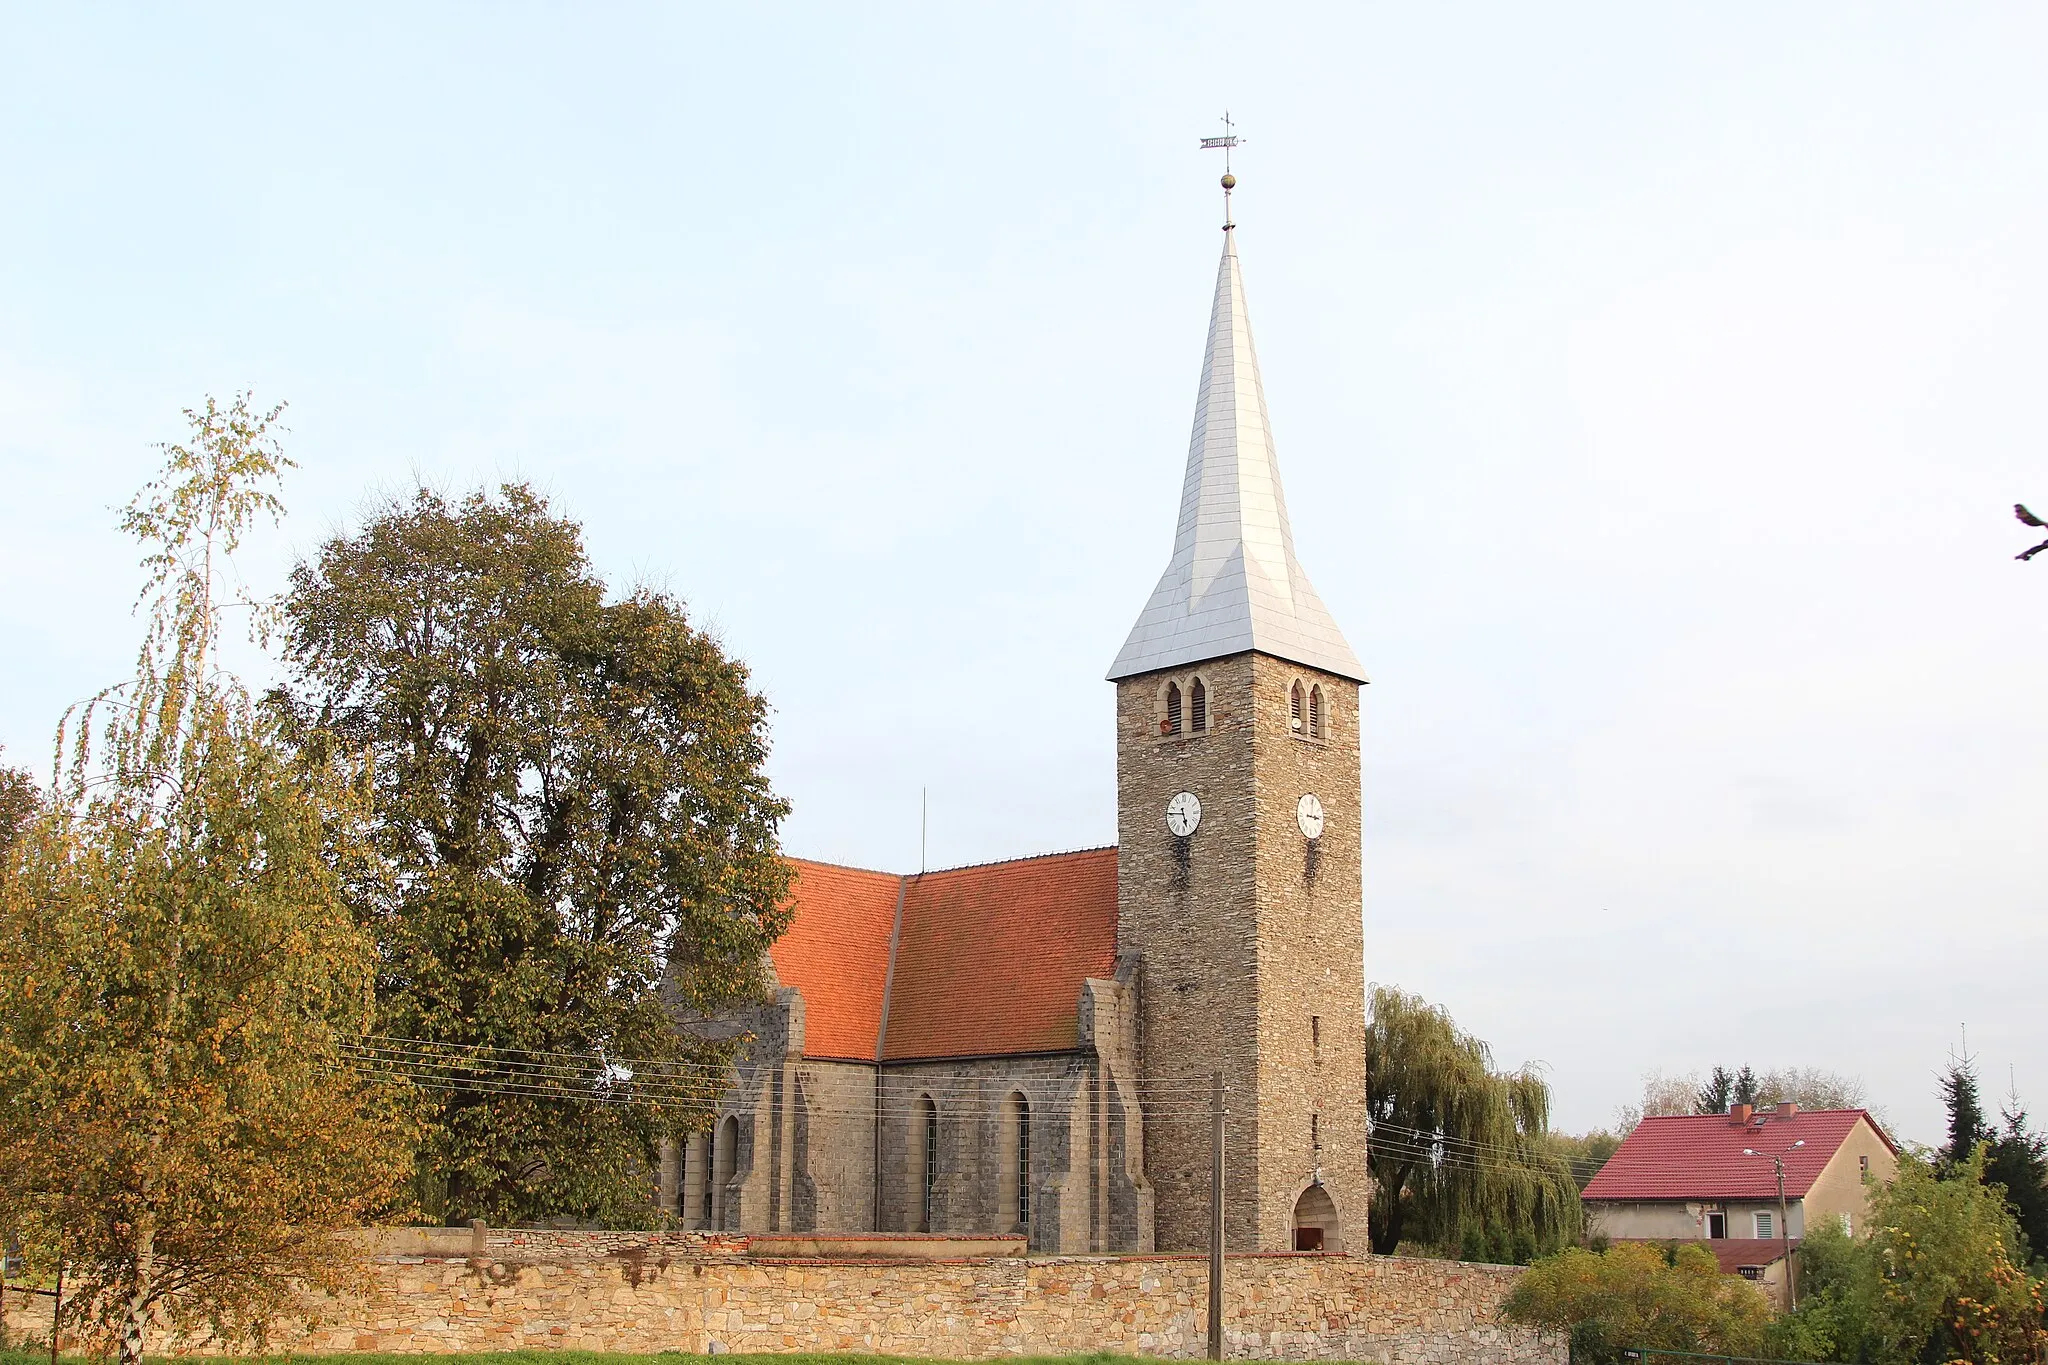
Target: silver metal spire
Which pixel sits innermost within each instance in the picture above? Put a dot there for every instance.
(1233, 583)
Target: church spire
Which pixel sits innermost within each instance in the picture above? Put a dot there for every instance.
(1233, 583)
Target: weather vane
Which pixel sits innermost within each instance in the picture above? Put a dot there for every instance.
(1226, 142)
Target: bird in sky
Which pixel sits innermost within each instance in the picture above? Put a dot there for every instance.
(2019, 509)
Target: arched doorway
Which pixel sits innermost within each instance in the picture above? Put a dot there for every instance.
(1315, 1221)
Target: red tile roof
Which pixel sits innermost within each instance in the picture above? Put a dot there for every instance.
(1736, 1252)
(1699, 1156)
(993, 957)
(989, 959)
(836, 951)
(1732, 1252)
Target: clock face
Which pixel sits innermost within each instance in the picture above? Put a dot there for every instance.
(1183, 813)
(1308, 813)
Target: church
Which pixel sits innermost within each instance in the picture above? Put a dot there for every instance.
(1031, 1047)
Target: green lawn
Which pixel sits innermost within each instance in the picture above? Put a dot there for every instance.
(599, 1358)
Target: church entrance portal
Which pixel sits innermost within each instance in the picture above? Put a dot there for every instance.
(1315, 1221)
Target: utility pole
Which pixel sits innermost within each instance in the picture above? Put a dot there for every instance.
(1216, 1216)
(1784, 1224)
(1785, 1236)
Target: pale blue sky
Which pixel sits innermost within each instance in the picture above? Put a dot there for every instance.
(1650, 384)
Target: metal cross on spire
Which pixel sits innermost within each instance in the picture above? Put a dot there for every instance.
(1226, 142)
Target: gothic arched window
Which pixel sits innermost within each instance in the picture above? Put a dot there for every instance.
(725, 1153)
(1171, 725)
(1198, 705)
(928, 1122)
(1294, 708)
(1016, 1159)
(1315, 712)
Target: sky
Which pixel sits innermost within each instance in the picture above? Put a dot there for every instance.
(1651, 384)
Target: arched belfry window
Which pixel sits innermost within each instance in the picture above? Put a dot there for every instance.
(1198, 705)
(1295, 707)
(1171, 725)
(1315, 712)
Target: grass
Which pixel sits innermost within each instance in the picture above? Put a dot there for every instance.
(18, 1357)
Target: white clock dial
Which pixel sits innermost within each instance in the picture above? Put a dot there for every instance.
(1308, 813)
(1183, 813)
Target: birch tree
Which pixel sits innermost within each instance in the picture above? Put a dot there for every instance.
(180, 972)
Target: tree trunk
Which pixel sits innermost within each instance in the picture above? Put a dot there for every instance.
(136, 1315)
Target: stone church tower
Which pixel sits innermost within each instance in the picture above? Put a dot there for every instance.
(1238, 872)
(1023, 1049)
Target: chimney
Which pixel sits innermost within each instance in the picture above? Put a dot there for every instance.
(1786, 1109)
(1738, 1115)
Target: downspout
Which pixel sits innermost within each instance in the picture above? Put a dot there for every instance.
(882, 1042)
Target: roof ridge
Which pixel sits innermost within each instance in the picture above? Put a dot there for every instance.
(1025, 858)
(957, 867)
(843, 867)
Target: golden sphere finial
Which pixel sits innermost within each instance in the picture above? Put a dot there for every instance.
(1229, 181)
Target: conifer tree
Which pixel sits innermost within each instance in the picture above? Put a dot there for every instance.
(1717, 1093)
(1966, 1126)
(2017, 1160)
(1744, 1090)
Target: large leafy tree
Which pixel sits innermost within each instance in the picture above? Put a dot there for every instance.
(1461, 1154)
(1635, 1294)
(180, 975)
(1940, 1277)
(18, 802)
(570, 795)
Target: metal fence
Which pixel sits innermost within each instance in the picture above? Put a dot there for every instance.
(1648, 1355)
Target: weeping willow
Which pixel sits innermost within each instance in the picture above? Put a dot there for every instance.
(1460, 1154)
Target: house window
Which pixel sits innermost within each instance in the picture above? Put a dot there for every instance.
(1171, 726)
(1315, 712)
(1766, 1227)
(1863, 1166)
(1750, 1272)
(1717, 1225)
(1198, 705)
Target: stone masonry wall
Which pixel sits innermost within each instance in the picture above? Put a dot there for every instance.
(1408, 1312)
(690, 1293)
(1312, 1093)
(1252, 949)
(1190, 908)
(1279, 1307)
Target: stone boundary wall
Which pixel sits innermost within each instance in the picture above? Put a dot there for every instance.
(645, 1292)
(644, 1297)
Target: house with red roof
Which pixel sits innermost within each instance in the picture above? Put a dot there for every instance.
(1714, 1178)
(1033, 1047)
